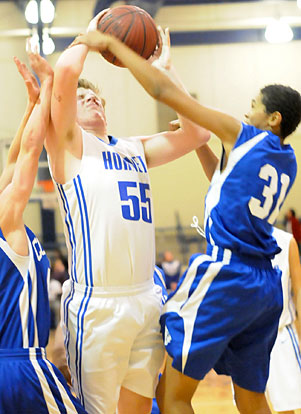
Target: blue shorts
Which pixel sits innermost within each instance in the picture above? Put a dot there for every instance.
(224, 315)
(30, 384)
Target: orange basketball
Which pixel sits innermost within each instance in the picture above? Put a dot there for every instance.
(134, 27)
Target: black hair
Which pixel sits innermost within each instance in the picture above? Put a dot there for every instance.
(285, 100)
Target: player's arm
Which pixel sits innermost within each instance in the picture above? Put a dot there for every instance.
(167, 146)
(163, 89)
(208, 160)
(205, 154)
(64, 133)
(59, 354)
(33, 91)
(295, 274)
(14, 198)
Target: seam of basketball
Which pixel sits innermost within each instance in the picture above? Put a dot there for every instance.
(114, 19)
(144, 37)
(127, 32)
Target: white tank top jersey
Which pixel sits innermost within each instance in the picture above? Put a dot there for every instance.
(282, 261)
(108, 215)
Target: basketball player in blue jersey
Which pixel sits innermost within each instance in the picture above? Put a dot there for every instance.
(111, 309)
(284, 382)
(225, 311)
(29, 383)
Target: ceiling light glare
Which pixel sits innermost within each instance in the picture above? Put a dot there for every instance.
(31, 12)
(47, 11)
(35, 43)
(299, 3)
(278, 31)
(48, 45)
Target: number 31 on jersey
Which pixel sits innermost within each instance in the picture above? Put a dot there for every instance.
(265, 210)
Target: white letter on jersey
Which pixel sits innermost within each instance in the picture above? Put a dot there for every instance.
(38, 249)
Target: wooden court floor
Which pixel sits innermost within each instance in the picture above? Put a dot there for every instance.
(213, 396)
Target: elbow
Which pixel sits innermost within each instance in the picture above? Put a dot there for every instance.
(160, 93)
(65, 71)
(31, 145)
(156, 93)
(204, 136)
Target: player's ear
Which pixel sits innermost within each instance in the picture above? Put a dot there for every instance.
(275, 119)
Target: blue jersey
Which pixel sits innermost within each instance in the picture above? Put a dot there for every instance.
(244, 199)
(24, 305)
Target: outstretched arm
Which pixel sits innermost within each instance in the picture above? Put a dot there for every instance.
(205, 154)
(295, 274)
(167, 146)
(15, 196)
(33, 91)
(64, 132)
(208, 160)
(163, 89)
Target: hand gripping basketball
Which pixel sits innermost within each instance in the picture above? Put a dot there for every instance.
(163, 62)
(94, 22)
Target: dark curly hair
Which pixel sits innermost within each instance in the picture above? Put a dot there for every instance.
(285, 100)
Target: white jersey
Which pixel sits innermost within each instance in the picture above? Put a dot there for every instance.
(108, 215)
(282, 261)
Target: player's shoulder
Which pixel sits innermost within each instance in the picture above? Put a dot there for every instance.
(133, 142)
(247, 133)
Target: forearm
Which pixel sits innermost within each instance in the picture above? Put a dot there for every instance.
(16, 143)
(191, 129)
(14, 149)
(35, 129)
(31, 146)
(208, 160)
(71, 62)
(151, 78)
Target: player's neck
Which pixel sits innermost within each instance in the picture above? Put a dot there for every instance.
(99, 132)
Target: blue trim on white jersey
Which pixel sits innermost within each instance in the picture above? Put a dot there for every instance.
(79, 339)
(294, 343)
(67, 334)
(113, 140)
(70, 228)
(83, 228)
(88, 231)
(30, 322)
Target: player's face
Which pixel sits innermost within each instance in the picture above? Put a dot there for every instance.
(257, 115)
(90, 108)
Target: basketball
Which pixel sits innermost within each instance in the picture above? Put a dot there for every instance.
(134, 27)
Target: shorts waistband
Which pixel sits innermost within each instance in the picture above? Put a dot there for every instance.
(227, 256)
(107, 291)
(23, 353)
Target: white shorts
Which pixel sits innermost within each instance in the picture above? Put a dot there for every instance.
(284, 383)
(113, 340)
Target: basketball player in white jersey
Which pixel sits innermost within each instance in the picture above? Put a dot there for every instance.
(29, 383)
(110, 306)
(205, 324)
(284, 383)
